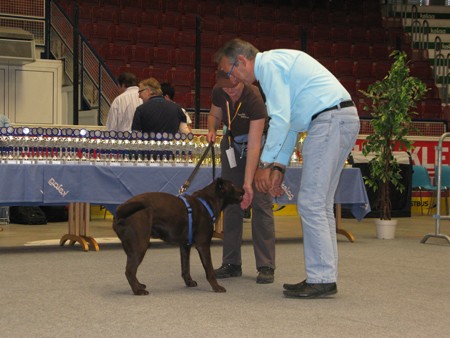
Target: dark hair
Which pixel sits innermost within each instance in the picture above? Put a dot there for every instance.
(127, 79)
(168, 90)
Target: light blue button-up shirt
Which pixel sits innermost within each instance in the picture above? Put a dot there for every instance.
(296, 87)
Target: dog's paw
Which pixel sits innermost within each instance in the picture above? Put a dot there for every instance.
(141, 292)
(219, 288)
(191, 283)
(142, 286)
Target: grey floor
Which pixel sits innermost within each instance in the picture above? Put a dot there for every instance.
(387, 288)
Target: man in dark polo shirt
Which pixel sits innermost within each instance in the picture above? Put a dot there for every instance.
(156, 114)
(242, 110)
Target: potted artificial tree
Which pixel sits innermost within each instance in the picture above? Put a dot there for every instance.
(393, 100)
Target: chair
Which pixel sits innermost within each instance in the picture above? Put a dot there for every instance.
(421, 182)
(445, 182)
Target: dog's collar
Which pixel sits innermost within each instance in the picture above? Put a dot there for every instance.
(206, 205)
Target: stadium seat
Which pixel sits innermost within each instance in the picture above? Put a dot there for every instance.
(344, 67)
(360, 51)
(138, 56)
(146, 37)
(341, 49)
(363, 68)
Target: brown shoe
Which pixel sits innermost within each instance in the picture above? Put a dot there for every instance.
(265, 275)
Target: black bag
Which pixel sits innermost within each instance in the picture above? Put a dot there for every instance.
(27, 215)
(55, 213)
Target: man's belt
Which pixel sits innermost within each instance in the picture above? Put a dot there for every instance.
(343, 104)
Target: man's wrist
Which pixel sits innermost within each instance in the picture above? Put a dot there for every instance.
(278, 168)
(264, 165)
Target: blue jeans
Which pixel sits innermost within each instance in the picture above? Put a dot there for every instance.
(329, 141)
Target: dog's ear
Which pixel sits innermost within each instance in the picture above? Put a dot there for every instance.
(219, 183)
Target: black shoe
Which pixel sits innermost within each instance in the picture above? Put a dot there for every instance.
(228, 270)
(310, 290)
(265, 275)
(294, 287)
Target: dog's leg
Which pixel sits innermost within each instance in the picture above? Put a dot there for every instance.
(135, 248)
(204, 252)
(185, 253)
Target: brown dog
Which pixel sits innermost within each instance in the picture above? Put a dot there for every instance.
(165, 216)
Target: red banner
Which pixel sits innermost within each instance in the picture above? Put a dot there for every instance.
(424, 152)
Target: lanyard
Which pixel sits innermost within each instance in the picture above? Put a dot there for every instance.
(230, 121)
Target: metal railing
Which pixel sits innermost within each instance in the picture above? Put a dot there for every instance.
(98, 86)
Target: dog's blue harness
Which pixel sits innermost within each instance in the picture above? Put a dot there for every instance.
(189, 210)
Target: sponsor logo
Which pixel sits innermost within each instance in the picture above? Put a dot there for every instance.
(287, 191)
(418, 204)
(437, 31)
(427, 16)
(58, 187)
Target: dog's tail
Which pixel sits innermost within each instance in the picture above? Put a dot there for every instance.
(129, 208)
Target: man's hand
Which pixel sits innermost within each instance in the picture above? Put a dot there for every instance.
(211, 136)
(276, 179)
(248, 197)
(262, 180)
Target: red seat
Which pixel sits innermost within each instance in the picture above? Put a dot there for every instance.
(264, 29)
(287, 43)
(129, 16)
(363, 68)
(247, 12)
(123, 35)
(339, 33)
(148, 20)
(190, 7)
(107, 14)
(431, 108)
(376, 35)
(188, 22)
(286, 30)
(138, 56)
(321, 49)
(167, 38)
(379, 52)
(161, 56)
(341, 49)
(146, 36)
(170, 20)
(183, 58)
(349, 83)
(186, 39)
(229, 25)
(381, 68)
(181, 78)
(421, 69)
(344, 67)
(131, 69)
(159, 74)
(357, 34)
(270, 13)
(209, 9)
(319, 33)
(113, 54)
(99, 31)
(264, 43)
(360, 51)
(363, 83)
(329, 63)
(227, 10)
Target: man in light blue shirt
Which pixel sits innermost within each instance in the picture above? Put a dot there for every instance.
(301, 95)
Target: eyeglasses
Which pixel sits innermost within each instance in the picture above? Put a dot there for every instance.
(231, 70)
(141, 90)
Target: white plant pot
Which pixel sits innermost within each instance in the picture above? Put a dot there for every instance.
(386, 228)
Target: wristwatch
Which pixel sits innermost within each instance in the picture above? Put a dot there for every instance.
(280, 169)
(264, 165)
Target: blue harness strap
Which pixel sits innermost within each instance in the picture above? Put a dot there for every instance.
(206, 205)
(189, 210)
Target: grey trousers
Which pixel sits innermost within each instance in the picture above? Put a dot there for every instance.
(263, 228)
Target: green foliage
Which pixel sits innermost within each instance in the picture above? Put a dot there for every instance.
(393, 100)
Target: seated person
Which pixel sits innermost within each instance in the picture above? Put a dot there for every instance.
(4, 121)
(169, 93)
(156, 114)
